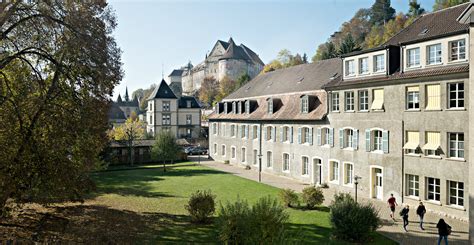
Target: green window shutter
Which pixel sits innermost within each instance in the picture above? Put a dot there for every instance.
(311, 136)
(367, 140)
(331, 136)
(291, 134)
(355, 139)
(318, 136)
(274, 134)
(341, 138)
(385, 141)
(299, 135)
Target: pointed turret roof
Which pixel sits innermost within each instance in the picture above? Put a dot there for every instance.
(126, 94)
(162, 91)
(119, 98)
(235, 52)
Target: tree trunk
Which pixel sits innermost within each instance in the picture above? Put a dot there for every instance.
(164, 165)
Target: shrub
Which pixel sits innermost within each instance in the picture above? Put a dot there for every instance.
(312, 196)
(226, 162)
(340, 197)
(201, 206)
(352, 221)
(263, 223)
(289, 197)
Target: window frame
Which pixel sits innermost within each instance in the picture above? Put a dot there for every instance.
(460, 193)
(438, 54)
(349, 101)
(458, 98)
(166, 119)
(458, 53)
(363, 100)
(333, 175)
(364, 66)
(243, 155)
(335, 107)
(285, 163)
(304, 166)
(412, 104)
(376, 63)
(377, 140)
(348, 138)
(233, 152)
(457, 142)
(345, 176)
(350, 68)
(223, 150)
(269, 163)
(305, 104)
(412, 185)
(164, 107)
(436, 189)
(412, 61)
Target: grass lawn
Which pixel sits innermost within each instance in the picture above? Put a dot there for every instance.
(157, 199)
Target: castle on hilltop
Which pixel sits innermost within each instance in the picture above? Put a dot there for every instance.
(226, 59)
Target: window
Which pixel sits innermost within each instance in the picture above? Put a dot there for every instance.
(333, 171)
(304, 165)
(214, 149)
(306, 135)
(233, 152)
(413, 57)
(376, 140)
(239, 107)
(456, 95)
(379, 63)
(223, 130)
(363, 100)
(349, 101)
(166, 106)
(188, 119)
(350, 67)
(255, 157)
(247, 106)
(234, 107)
(378, 97)
(243, 131)
(269, 159)
(458, 50)
(363, 65)
(151, 106)
(255, 132)
(189, 132)
(432, 145)
(304, 104)
(325, 136)
(214, 128)
(434, 189)
(413, 98)
(348, 138)
(434, 54)
(223, 150)
(377, 146)
(456, 145)
(286, 134)
(348, 173)
(243, 153)
(270, 106)
(412, 142)
(166, 119)
(456, 193)
(269, 133)
(335, 101)
(433, 97)
(151, 119)
(413, 185)
(232, 130)
(188, 104)
(286, 162)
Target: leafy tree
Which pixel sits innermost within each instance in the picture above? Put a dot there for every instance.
(209, 90)
(442, 4)
(130, 131)
(226, 87)
(394, 26)
(381, 12)
(59, 64)
(348, 45)
(143, 94)
(165, 148)
(284, 56)
(415, 9)
(329, 52)
(242, 80)
(295, 60)
(375, 37)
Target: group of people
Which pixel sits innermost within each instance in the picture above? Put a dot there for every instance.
(444, 230)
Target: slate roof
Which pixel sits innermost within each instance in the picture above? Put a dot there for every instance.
(300, 78)
(241, 52)
(182, 102)
(176, 73)
(432, 25)
(115, 113)
(162, 91)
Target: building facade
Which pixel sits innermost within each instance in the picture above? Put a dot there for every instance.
(226, 59)
(166, 111)
(120, 110)
(394, 116)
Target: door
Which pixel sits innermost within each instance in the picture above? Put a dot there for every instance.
(378, 183)
(317, 171)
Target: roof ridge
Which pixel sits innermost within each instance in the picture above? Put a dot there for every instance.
(448, 8)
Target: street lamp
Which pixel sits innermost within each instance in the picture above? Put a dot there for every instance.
(199, 155)
(356, 182)
(260, 167)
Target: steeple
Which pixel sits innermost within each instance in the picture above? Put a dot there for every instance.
(119, 99)
(126, 94)
(231, 41)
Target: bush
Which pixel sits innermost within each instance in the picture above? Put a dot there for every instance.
(352, 221)
(340, 197)
(201, 206)
(263, 223)
(289, 198)
(312, 196)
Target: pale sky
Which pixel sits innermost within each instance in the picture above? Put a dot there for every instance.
(168, 33)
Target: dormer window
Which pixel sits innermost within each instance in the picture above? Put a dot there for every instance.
(247, 106)
(350, 67)
(270, 106)
(379, 63)
(434, 54)
(457, 50)
(188, 104)
(239, 107)
(363, 65)
(234, 107)
(304, 104)
(413, 57)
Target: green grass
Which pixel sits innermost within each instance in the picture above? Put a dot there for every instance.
(162, 196)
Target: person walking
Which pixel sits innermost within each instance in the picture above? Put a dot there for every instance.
(444, 230)
(420, 211)
(404, 214)
(392, 202)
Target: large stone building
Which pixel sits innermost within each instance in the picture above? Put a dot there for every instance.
(179, 114)
(226, 59)
(120, 110)
(398, 116)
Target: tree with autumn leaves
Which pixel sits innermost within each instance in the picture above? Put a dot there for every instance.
(59, 64)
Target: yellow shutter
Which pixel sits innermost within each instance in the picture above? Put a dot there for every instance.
(432, 141)
(433, 97)
(413, 140)
(413, 89)
(377, 103)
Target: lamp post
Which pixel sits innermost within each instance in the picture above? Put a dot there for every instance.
(199, 155)
(260, 167)
(356, 182)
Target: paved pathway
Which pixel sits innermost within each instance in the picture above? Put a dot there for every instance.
(391, 229)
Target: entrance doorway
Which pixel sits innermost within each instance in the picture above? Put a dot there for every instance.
(377, 183)
(317, 171)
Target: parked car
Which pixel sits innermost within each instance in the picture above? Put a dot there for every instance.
(198, 151)
(188, 149)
